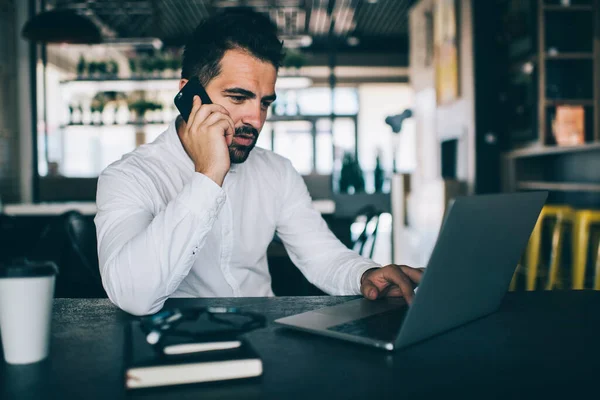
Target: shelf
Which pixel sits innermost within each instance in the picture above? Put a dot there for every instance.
(113, 125)
(569, 56)
(559, 186)
(549, 150)
(122, 85)
(132, 79)
(569, 102)
(556, 7)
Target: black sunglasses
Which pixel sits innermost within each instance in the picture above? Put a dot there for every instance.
(181, 325)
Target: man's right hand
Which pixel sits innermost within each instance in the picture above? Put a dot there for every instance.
(206, 139)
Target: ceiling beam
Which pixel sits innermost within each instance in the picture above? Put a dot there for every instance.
(358, 59)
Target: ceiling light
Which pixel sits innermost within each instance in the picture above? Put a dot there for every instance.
(150, 42)
(528, 67)
(372, 1)
(353, 41)
(296, 41)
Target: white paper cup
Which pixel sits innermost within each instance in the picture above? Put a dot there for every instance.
(26, 293)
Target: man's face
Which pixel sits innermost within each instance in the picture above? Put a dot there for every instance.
(246, 88)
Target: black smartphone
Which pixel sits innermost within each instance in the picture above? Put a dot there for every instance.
(185, 97)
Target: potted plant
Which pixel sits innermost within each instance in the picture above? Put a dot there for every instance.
(358, 178)
(170, 67)
(96, 109)
(378, 174)
(146, 66)
(101, 67)
(351, 175)
(175, 65)
(140, 109)
(92, 69)
(294, 59)
(113, 68)
(160, 65)
(346, 173)
(133, 67)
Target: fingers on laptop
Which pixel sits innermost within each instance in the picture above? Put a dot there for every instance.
(413, 273)
(396, 276)
(391, 291)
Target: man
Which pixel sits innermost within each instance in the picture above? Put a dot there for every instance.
(192, 214)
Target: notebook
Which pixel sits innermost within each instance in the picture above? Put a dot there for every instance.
(186, 363)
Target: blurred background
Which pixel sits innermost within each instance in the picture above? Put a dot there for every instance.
(388, 108)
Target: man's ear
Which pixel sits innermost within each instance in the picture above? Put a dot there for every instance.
(182, 83)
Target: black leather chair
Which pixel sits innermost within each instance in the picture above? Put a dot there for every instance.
(70, 241)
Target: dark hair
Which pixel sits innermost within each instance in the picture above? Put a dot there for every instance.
(238, 28)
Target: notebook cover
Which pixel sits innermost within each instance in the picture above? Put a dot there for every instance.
(144, 367)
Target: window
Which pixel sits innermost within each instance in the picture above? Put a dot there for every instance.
(294, 140)
(378, 101)
(299, 128)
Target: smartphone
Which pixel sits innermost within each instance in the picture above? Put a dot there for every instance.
(185, 97)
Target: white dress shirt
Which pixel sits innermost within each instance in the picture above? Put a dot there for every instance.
(165, 230)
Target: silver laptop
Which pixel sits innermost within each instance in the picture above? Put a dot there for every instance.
(468, 273)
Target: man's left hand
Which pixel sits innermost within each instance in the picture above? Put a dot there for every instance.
(391, 281)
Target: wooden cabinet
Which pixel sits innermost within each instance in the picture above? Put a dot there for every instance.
(553, 52)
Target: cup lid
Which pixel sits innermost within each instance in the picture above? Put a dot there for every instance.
(24, 268)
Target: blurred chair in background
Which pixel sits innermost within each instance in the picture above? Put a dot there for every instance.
(364, 231)
(539, 270)
(70, 241)
(586, 249)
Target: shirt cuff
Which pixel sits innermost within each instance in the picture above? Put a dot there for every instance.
(203, 196)
(361, 270)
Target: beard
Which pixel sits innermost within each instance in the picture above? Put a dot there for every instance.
(238, 153)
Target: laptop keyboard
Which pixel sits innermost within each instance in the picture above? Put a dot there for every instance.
(383, 326)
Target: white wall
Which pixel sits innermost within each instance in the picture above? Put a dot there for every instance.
(440, 122)
(434, 123)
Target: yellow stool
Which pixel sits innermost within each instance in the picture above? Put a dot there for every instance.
(563, 215)
(583, 221)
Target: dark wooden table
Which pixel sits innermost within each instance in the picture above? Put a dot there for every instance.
(538, 345)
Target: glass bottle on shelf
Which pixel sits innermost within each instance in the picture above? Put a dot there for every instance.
(378, 175)
(75, 117)
(81, 67)
(108, 114)
(70, 115)
(97, 106)
(122, 116)
(115, 111)
(86, 114)
(96, 115)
